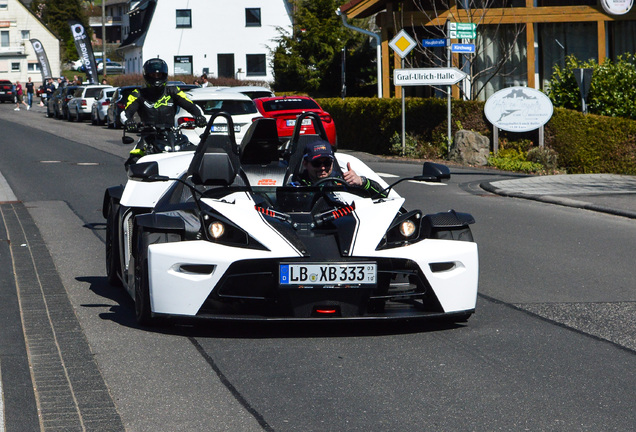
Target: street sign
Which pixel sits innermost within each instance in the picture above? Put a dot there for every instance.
(462, 34)
(402, 43)
(463, 26)
(434, 42)
(463, 48)
(427, 76)
(462, 30)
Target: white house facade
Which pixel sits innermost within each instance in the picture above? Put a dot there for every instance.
(18, 60)
(218, 37)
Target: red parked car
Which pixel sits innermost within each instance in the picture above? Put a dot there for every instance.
(7, 91)
(285, 109)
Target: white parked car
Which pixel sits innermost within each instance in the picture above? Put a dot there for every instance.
(111, 68)
(80, 106)
(251, 91)
(99, 110)
(212, 101)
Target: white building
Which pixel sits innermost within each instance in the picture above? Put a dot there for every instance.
(219, 37)
(17, 57)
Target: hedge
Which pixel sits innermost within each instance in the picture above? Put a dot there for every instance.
(584, 143)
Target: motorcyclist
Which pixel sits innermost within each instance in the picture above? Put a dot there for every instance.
(156, 104)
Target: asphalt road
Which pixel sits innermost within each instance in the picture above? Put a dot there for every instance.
(551, 347)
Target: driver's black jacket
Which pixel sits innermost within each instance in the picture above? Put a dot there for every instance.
(373, 187)
(159, 108)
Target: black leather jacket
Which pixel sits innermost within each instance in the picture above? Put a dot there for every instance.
(158, 108)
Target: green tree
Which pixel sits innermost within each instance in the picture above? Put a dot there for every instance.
(309, 58)
(55, 14)
(612, 92)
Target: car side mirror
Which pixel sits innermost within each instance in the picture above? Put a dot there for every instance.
(145, 171)
(434, 172)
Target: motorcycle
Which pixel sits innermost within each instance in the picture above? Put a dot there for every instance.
(155, 139)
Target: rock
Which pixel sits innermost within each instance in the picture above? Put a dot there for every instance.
(470, 148)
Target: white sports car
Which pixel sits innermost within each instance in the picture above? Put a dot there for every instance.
(222, 233)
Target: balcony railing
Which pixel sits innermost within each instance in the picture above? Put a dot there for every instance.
(17, 48)
(108, 20)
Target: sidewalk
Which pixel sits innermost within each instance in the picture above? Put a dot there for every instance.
(607, 193)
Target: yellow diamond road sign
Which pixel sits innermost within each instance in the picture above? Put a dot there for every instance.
(402, 43)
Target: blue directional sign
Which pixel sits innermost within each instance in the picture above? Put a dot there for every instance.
(434, 42)
(463, 48)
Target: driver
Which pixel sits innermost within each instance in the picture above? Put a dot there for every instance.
(157, 103)
(318, 164)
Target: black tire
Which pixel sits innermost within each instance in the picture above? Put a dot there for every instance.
(143, 312)
(113, 257)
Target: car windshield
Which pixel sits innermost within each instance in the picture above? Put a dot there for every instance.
(289, 104)
(92, 92)
(232, 107)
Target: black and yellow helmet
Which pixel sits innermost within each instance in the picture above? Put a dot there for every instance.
(155, 72)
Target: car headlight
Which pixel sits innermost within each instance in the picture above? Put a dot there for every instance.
(405, 229)
(219, 229)
(216, 229)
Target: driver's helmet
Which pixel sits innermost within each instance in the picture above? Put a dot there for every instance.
(155, 72)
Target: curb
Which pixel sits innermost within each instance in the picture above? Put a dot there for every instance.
(551, 199)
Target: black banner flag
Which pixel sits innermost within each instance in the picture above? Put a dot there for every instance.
(85, 50)
(42, 59)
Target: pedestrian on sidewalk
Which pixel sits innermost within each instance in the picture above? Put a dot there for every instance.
(19, 96)
(29, 89)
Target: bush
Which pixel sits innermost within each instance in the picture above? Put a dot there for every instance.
(545, 156)
(612, 91)
(415, 147)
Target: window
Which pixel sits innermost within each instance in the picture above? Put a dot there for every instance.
(33, 67)
(226, 65)
(4, 38)
(184, 18)
(26, 34)
(252, 17)
(15, 66)
(256, 64)
(4, 5)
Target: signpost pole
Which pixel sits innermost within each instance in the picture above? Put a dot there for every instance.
(448, 95)
(403, 119)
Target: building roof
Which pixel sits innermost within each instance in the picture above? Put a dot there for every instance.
(140, 17)
(362, 8)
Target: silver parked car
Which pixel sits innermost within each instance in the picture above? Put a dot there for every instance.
(99, 110)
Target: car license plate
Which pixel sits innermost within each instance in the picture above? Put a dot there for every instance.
(364, 273)
(292, 123)
(223, 128)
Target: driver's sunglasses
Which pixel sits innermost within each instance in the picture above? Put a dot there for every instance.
(321, 163)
